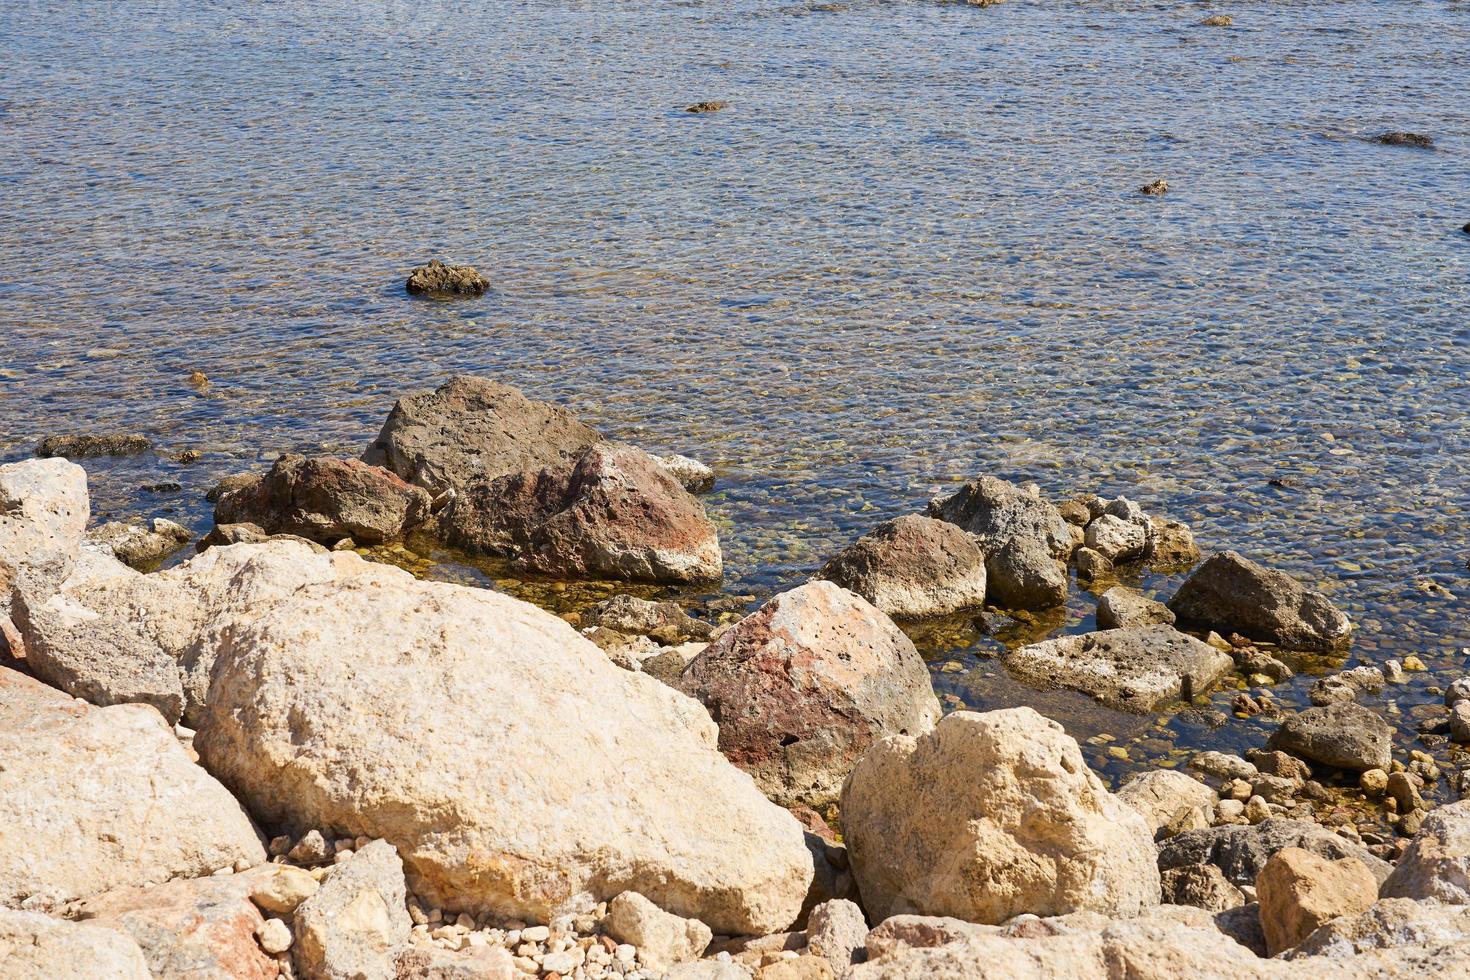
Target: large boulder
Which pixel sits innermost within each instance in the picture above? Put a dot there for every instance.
(1299, 891)
(43, 515)
(1232, 594)
(356, 924)
(996, 511)
(95, 798)
(1022, 574)
(1132, 669)
(801, 688)
(1342, 735)
(38, 947)
(913, 567)
(613, 513)
(988, 816)
(517, 771)
(1436, 866)
(324, 499)
(472, 429)
(112, 635)
(1241, 850)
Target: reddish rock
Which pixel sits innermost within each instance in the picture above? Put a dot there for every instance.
(326, 499)
(1299, 891)
(913, 567)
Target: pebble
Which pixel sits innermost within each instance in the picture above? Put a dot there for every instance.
(535, 934)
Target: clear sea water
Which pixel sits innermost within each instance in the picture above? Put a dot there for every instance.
(910, 251)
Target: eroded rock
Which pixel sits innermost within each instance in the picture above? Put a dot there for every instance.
(1231, 593)
(913, 567)
(325, 499)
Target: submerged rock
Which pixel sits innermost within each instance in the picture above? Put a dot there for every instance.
(1218, 20)
(996, 511)
(612, 514)
(473, 428)
(988, 816)
(913, 567)
(438, 279)
(87, 446)
(325, 499)
(1400, 138)
(1129, 669)
(703, 107)
(1232, 594)
(141, 547)
(1342, 735)
(801, 688)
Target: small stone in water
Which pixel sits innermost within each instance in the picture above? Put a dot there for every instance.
(1158, 187)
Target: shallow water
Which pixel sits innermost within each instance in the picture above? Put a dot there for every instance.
(910, 251)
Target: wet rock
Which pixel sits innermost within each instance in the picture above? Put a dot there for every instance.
(837, 932)
(1171, 546)
(804, 685)
(95, 798)
(666, 622)
(1091, 566)
(1120, 607)
(1400, 138)
(1387, 923)
(325, 499)
(1231, 593)
(1217, 20)
(1436, 866)
(1022, 574)
(1202, 886)
(1116, 539)
(1299, 891)
(1256, 664)
(703, 107)
(1222, 765)
(1241, 850)
(1129, 669)
(913, 567)
(1156, 188)
(38, 947)
(662, 939)
(438, 279)
(1347, 686)
(996, 511)
(356, 924)
(90, 446)
(990, 815)
(499, 752)
(1343, 735)
(194, 928)
(138, 546)
(691, 474)
(472, 429)
(613, 514)
(1161, 795)
(43, 514)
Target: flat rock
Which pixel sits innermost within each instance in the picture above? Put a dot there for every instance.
(324, 499)
(38, 947)
(1133, 669)
(514, 767)
(95, 798)
(1343, 735)
(913, 567)
(801, 687)
(1120, 606)
(474, 429)
(996, 511)
(87, 446)
(1230, 593)
(990, 815)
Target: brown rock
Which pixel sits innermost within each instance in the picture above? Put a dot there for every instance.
(438, 279)
(1231, 593)
(1299, 891)
(913, 567)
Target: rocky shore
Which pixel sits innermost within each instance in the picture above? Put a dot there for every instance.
(283, 758)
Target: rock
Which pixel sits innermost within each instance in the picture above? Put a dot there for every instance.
(1223, 766)
(1172, 545)
(899, 932)
(43, 514)
(691, 474)
(801, 688)
(662, 939)
(1231, 593)
(38, 947)
(438, 279)
(1347, 686)
(1241, 851)
(1299, 891)
(472, 429)
(996, 511)
(1155, 189)
(666, 622)
(281, 887)
(325, 499)
(1387, 923)
(1398, 138)
(274, 937)
(1161, 795)
(138, 546)
(222, 535)
(473, 963)
(1460, 722)
(1374, 782)
(1436, 867)
(89, 446)
(355, 925)
(913, 567)
(1091, 566)
(312, 848)
(990, 815)
(1343, 735)
(1116, 539)
(190, 928)
(1405, 792)
(837, 932)
(800, 968)
(1132, 669)
(1217, 20)
(428, 742)
(1121, 606)
(94, 798)
(1023, 575)
(1202, 886)
(613, 514)
(703, 107)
